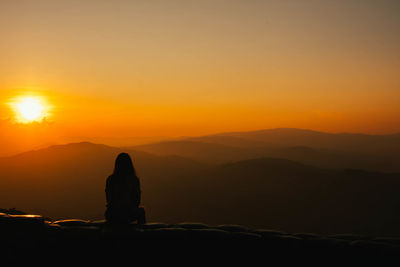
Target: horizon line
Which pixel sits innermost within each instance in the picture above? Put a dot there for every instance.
(179, 138)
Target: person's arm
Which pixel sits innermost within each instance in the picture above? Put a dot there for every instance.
(108, 190)
(138, 193)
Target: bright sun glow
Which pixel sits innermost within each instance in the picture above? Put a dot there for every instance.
(29, 109)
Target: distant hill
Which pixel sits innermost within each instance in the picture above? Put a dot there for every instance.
(339, 141)
(290, 196)
(289, 179)
(201, 151)
(372, 152)
(69, 180)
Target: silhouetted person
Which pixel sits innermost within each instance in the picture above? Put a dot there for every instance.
(123, 193)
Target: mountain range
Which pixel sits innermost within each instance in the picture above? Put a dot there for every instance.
(328, 150)
(286, 179)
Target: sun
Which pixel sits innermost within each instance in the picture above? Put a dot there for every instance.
(30, 109)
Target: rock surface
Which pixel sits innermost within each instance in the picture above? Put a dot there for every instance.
(34, 234)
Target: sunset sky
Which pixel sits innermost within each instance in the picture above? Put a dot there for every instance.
(124, 69)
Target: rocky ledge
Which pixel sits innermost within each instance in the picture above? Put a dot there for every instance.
(33, 233)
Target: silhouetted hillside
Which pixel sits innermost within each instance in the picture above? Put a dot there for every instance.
(360, 151)
(68, 181)
(338, 141)
(295, 197)
(197, 150)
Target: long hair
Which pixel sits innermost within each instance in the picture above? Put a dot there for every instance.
(124, 166)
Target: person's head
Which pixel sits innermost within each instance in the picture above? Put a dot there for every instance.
(123, 165)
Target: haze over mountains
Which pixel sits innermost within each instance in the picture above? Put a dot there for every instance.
(287, 179)
(360, 151)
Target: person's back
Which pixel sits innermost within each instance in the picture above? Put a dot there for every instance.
(123, 193)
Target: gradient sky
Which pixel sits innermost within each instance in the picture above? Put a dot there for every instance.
(117, 69)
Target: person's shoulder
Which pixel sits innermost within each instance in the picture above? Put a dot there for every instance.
(109, 178)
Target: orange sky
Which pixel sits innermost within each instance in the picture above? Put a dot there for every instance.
(118, 69)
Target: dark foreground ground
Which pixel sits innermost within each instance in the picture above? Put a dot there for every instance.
(32, 237)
